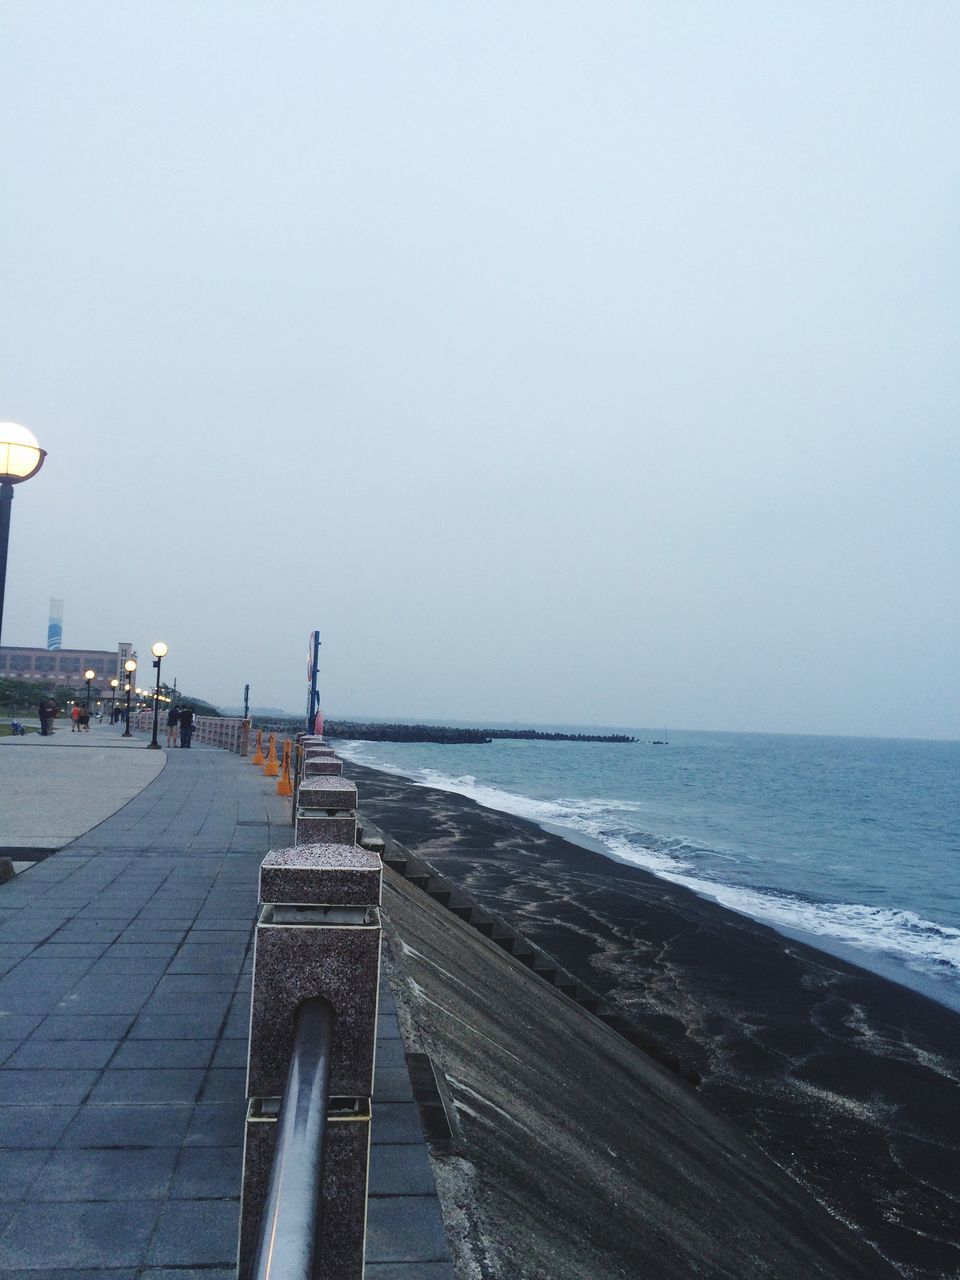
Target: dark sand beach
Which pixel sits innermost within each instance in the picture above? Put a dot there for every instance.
(849, 1082)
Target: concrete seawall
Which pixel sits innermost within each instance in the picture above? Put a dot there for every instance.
(845, 1080)
(572, 1154)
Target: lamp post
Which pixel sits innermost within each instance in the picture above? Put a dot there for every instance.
(20, 458)
(129, 667)
(159, 652)
(89, 675)
(114, 686)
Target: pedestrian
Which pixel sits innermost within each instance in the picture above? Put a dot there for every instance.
(75, 717)
(44, 718)
(85, 720)
(51, 715)
(173, 723)
(186, 726)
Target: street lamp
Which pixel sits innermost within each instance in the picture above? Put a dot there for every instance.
(159, 652)
(89, 675)
(129, 667)
(20, 458)
(114, 686)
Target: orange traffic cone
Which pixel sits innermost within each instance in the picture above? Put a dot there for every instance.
(284, 785)
(258, 754)
(272, 766)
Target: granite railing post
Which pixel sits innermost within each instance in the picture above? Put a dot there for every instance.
(325, 811)
(318, 934)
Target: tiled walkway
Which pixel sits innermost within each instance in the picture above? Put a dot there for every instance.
(124, 1006)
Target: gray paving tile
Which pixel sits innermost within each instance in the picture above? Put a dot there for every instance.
(73, 950)
(128, 1125)
(405, 1229)
(392, 1084)
(387, 1028)
(21, 979)
(168, 1002)
(86, 933)
(32, 1127)
(396, 1122)
(398, 1169)
(97, 982)
(130, 964)
(62, 1053)
(60, 1273)
(203, 1025)
(42, 1002)
(18, 1170)
(231, 1053)
(49, 1085)
(109, 1002)
(390, 1053)
(203, 964)
(92, 1174)
(143, 950)
(223, 1085)
(238, 1021)
(208, 1173)
(159, 1084)
(166, 1053)
(202, 983)
(188, 1273)
(83, 1027)
(197, 1233)
(30, 930)
(77, 1235)
(217, 1124)
(165, 917)
(214, 932)
(140, 932)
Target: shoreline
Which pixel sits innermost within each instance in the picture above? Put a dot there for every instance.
(845, 1078)
(888, 964)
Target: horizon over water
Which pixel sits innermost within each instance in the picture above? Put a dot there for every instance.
(851, 845)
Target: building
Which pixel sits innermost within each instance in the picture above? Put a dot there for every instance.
(65, 667)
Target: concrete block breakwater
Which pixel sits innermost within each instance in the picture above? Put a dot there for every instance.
(446, 734)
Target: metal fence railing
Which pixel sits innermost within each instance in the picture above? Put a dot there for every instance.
(293, 1208)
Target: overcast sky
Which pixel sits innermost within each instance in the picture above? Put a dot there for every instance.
(559, 362)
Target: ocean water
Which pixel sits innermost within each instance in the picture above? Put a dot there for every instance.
(850, 844)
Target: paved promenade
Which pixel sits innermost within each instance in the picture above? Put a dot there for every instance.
(125, 968)
(46, 805)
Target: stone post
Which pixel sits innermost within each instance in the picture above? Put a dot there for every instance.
(318, 766)
(326, 811)
(318, 934)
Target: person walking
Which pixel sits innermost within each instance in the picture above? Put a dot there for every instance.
(51, 715)
(75, 717)
(44, 718)
(186, 726)
(173, 723)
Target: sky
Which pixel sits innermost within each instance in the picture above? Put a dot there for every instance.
(559, 362)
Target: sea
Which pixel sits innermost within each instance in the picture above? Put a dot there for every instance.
(851, 845)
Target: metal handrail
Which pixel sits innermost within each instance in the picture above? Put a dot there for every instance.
(293, 1208)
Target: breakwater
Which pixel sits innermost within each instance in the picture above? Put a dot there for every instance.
(447, 734)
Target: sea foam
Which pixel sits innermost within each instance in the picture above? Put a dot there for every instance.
(898, 943)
